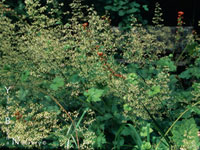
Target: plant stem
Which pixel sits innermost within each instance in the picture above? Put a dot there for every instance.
(180, 56)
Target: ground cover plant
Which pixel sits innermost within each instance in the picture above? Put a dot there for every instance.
(61, 86)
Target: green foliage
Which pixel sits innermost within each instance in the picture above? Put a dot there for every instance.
(22, 94)
(126, 9)
(25, 75)
(146, 131)
(63, 92)
(57, 82)
(132, 78)
(190, 72)
(193, 49)
(185, 134)
(100, 140)
(94, 95)
(127, 130)
(166, 62)
(154, 90)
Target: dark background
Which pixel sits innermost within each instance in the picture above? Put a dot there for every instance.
(191, 9)
(170, 8)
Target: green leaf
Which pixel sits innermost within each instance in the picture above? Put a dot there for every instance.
(100, 140)
(108, 7)
(145, 7)
(121, 141)
(134, 4)
(132, 78)
(125, 7)
(121, 13)
(144, 73)
(125, 131)
(7, 67)
(66, 47)
(75, 78)
(94, 94)
(25, 75)
(113, 8)
(185, 133)
(185, 74)
(194, 71)
(57, 82)
(196, 87)
(81, 118)
(107, 116)
(22, 94)
(146, 146)
(144, 131)
(171, 56)
(3, 140)
(67, 25)
(135, 136)
(122, 2)
(154, 90)
(116, 8)
(54, 87)
(195, 109)
(127, 107)
(166, 62)
(133, 10)
(58, 22)
(173, 81)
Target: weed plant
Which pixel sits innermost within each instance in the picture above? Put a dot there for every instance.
(61, 85)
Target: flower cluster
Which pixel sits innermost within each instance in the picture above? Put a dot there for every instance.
(180, 18)
(157, 19)
(179, 23)
(85, 25)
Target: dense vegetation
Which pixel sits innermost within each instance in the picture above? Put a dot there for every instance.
(61, 86)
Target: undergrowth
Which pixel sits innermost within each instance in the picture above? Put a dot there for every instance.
(62, 87)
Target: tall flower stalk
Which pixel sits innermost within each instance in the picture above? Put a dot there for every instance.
(179, 27)
(157, 19)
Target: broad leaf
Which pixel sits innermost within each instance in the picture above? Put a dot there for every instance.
(57, 82)
(154, 90)
(121, 13)
(145, 7)
(185, 133)
(94, 94)
(166, 62)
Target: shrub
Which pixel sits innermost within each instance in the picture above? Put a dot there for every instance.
(74, 66)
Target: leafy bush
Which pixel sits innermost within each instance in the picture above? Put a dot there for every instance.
(63, 86)
(126, 9)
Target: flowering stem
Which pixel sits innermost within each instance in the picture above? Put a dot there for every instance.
(108, 67)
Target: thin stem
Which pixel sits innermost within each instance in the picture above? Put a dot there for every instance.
(180, 56)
